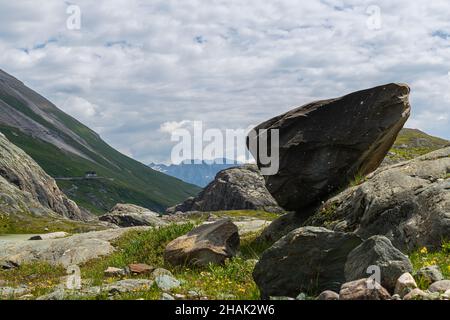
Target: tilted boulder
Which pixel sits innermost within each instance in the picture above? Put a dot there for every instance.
(307, 259)
(208, 243)
(238, 188)
(409, 203)
(129, 215)
(325, 144)
(377, 251)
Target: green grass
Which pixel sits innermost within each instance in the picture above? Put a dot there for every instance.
(28, 224)
(412, 143)
(423, 258)
(258, 214)
(233, 280)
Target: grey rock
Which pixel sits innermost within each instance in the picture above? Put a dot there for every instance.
(129, 215)
(26, 189)
(161, 272)
(396, 297)
(328, 295)
(58, 294)
(416, 294)
(307, 259)
(325, 144)
(237, 188)
(301, 296)
(377, 251)
(167, 283)
(127, 285)
(114, 272)
(409, 203)
(405, 284)
(280, 298)
(166, 296)
(363, 289)
(430, 274)
(10, 292)
(209, 243)
(76, 249)
(440, 286)
(47, 236)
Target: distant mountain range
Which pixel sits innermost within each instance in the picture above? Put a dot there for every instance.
(67, 149)
(197, 172)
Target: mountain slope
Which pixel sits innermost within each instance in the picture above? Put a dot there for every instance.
(199, 174)
(64, 147)
(412, 143)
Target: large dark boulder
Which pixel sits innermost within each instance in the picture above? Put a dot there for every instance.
(377, 251)
(238, 188)
(308, 259)
(325, 144)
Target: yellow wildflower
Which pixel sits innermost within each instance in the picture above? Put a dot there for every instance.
(424, 250)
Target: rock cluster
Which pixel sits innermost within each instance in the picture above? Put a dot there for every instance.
(335, 242)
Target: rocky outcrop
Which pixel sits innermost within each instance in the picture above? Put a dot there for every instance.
(129, 215)
(307, 259)
(75, 249)
(325, 144)
(26, 188)
(237, 188)
(377, 251)
(409, 203)
(208, 243)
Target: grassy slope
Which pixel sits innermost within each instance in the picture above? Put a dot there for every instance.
(412, 143)
(133, 182)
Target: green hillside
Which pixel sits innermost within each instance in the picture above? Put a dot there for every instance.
(120, 178)
(412, 143)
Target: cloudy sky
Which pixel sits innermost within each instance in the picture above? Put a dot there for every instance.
(135, 70)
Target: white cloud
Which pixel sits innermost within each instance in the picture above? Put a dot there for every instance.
(144, 67)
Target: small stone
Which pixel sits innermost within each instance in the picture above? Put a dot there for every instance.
(405, 284)
(7, 265)
(140, 268)
(396, 297)
(26, 297)
(48, 236)
(194, 294)
(160, 272)
(226, 296)
(8, 292)
(440, 286)
(58, 294)
(166, 296)
(301, 296)
(127, 285)
(167, 283)
(363, 289)
(328, 295)
(446, 295)
(281, 298)
(415, 294)
(179, 296)
(114, 272)
(430, 274)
